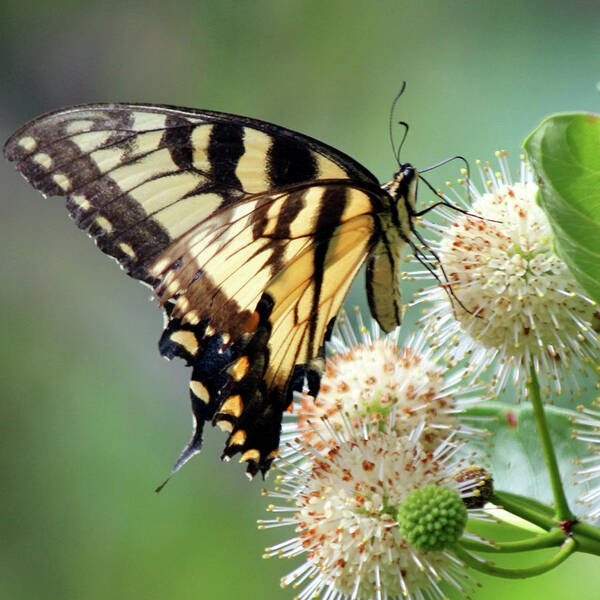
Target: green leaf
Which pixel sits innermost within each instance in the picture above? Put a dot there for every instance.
(516, 460)
(564, 151)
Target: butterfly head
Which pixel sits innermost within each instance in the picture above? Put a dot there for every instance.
(403, 187)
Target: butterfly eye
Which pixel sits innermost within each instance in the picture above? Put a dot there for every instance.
(408, 172)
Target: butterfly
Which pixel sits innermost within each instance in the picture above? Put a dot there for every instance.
(250, 235)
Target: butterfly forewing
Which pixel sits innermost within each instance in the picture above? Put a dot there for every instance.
(138, 177)
(249, 233)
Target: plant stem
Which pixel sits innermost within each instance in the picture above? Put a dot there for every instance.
(516, 508)
(490, 569)
(530, 503)
(587, 544)
(586, 530)
(544, 540)
(561, 506)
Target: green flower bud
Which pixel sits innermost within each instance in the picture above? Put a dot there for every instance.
(432, 517)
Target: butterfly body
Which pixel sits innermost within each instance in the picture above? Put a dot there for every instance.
(249, 234)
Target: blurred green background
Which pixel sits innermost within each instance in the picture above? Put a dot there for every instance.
(92, 417)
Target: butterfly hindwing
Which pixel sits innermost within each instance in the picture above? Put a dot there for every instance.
(270, 300)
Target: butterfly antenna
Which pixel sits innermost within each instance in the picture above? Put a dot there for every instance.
(391, 120)
(405, 125)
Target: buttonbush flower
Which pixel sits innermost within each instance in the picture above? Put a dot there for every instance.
(512, 301)
(353, 510)
(369, 374)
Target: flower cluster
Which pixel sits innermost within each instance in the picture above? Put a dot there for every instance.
(385, 427)
(369, 375)
(346, 502)
(510, 303)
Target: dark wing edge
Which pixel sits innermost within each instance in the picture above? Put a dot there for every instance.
(354, 170)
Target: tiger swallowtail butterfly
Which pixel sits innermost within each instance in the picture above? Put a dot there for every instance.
(250, 235)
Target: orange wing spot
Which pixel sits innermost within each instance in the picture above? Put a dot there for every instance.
(232, 406)
(238, 438)
(251, 322)
(186, 339)
(225, 426)
(273, 454)
(290, 408)
(250, 455)
(239, 368)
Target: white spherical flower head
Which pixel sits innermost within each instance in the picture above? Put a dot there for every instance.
(346, 505)
(369, 376)
(512, 299)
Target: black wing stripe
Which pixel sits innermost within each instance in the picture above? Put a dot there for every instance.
(84, 172)
(177, 138)
(96, 166)
(280, 237)
(334, 196)
(225, 148)
(67, 124)
(119, 117)
(289, 162)
(124, 214)
(120, 212)
(287, 214)
(84, 144)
